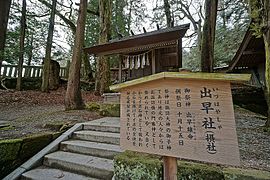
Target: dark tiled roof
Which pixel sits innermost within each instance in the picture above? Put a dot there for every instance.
(141, 42)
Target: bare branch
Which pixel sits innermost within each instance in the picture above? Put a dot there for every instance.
(71, 25)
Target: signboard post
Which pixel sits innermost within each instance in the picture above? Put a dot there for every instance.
(180, 115)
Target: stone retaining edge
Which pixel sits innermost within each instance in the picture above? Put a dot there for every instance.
(36, 160)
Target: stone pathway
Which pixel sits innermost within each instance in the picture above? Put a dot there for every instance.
(87, 154)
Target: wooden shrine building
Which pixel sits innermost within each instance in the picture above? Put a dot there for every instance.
(250, 58)
(145, 54)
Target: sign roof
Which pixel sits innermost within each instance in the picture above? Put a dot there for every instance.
(184, 75)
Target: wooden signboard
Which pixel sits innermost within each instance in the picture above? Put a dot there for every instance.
(190, 118)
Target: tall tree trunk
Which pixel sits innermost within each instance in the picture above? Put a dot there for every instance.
(86, 67)
(266, 38)
(167, 9)
(4, 14)
(73, 99)
(30, 53)
(22, 37)
(30, 56)
(129, 15)
(208, 36)
(199, 33)
(47, 60)
(103, 68)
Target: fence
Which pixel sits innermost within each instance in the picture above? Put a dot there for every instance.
(28, 71)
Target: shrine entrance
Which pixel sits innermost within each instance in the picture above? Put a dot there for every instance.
(145, 54)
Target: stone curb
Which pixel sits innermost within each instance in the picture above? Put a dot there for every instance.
(36, 160)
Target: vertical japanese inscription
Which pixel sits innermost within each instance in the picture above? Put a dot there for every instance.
(211, 119)
(187, 120)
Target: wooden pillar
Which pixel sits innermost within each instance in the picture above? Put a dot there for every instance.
(67, 69)
(5, 71)
(120, 69)
(10, 71)
(38, 73)
(153, 62)
(35, 72)
(28, 71)
(15, 72)
(170, 168)
(179, 53)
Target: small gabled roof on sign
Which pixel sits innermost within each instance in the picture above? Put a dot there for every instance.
(184, 75)
(140, 42)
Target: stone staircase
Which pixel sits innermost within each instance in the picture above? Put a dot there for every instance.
(88, 154)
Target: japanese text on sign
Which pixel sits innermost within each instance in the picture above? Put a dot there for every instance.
(186, 120)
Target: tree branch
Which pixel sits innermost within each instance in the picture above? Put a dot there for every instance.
(96, 13)
(66, 20)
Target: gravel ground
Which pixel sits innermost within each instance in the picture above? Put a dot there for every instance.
(28, 115)
(254, 143)
(32, 112)
(25, 121)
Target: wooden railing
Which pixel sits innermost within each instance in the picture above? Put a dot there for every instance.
(28, 71)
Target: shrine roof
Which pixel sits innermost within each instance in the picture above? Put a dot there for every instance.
(141, 42)
(184, 75)
(250, 53)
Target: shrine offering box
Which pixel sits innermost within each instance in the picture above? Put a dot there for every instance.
(184, 115)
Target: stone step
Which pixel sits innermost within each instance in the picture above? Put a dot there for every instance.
(96, 136)
(91, 148)
(107, 124)
(47, 173)
(81, 164)
(103, 128)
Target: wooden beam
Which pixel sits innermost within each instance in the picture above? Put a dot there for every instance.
(153, 62)
(252, 52)
(120, 69)
(170, 168)
(241, 49)
(173, 54)
(179, 53)
(144, 30)
(5, 71)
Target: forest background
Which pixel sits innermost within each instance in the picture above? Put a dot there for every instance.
(132, 15)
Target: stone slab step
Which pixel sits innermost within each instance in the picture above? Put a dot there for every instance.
(81, 164)
(96, 136)
(91, 148)
(46, 173)
(107, 124)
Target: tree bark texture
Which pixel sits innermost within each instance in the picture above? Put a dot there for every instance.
(30, 53)
(103, 71)
(87, 74)
(208, 36)
(167, 9)
(46, 65)
(73, 99)
(266, 38)
(4, 14)
(22, 37)
(54, 78)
